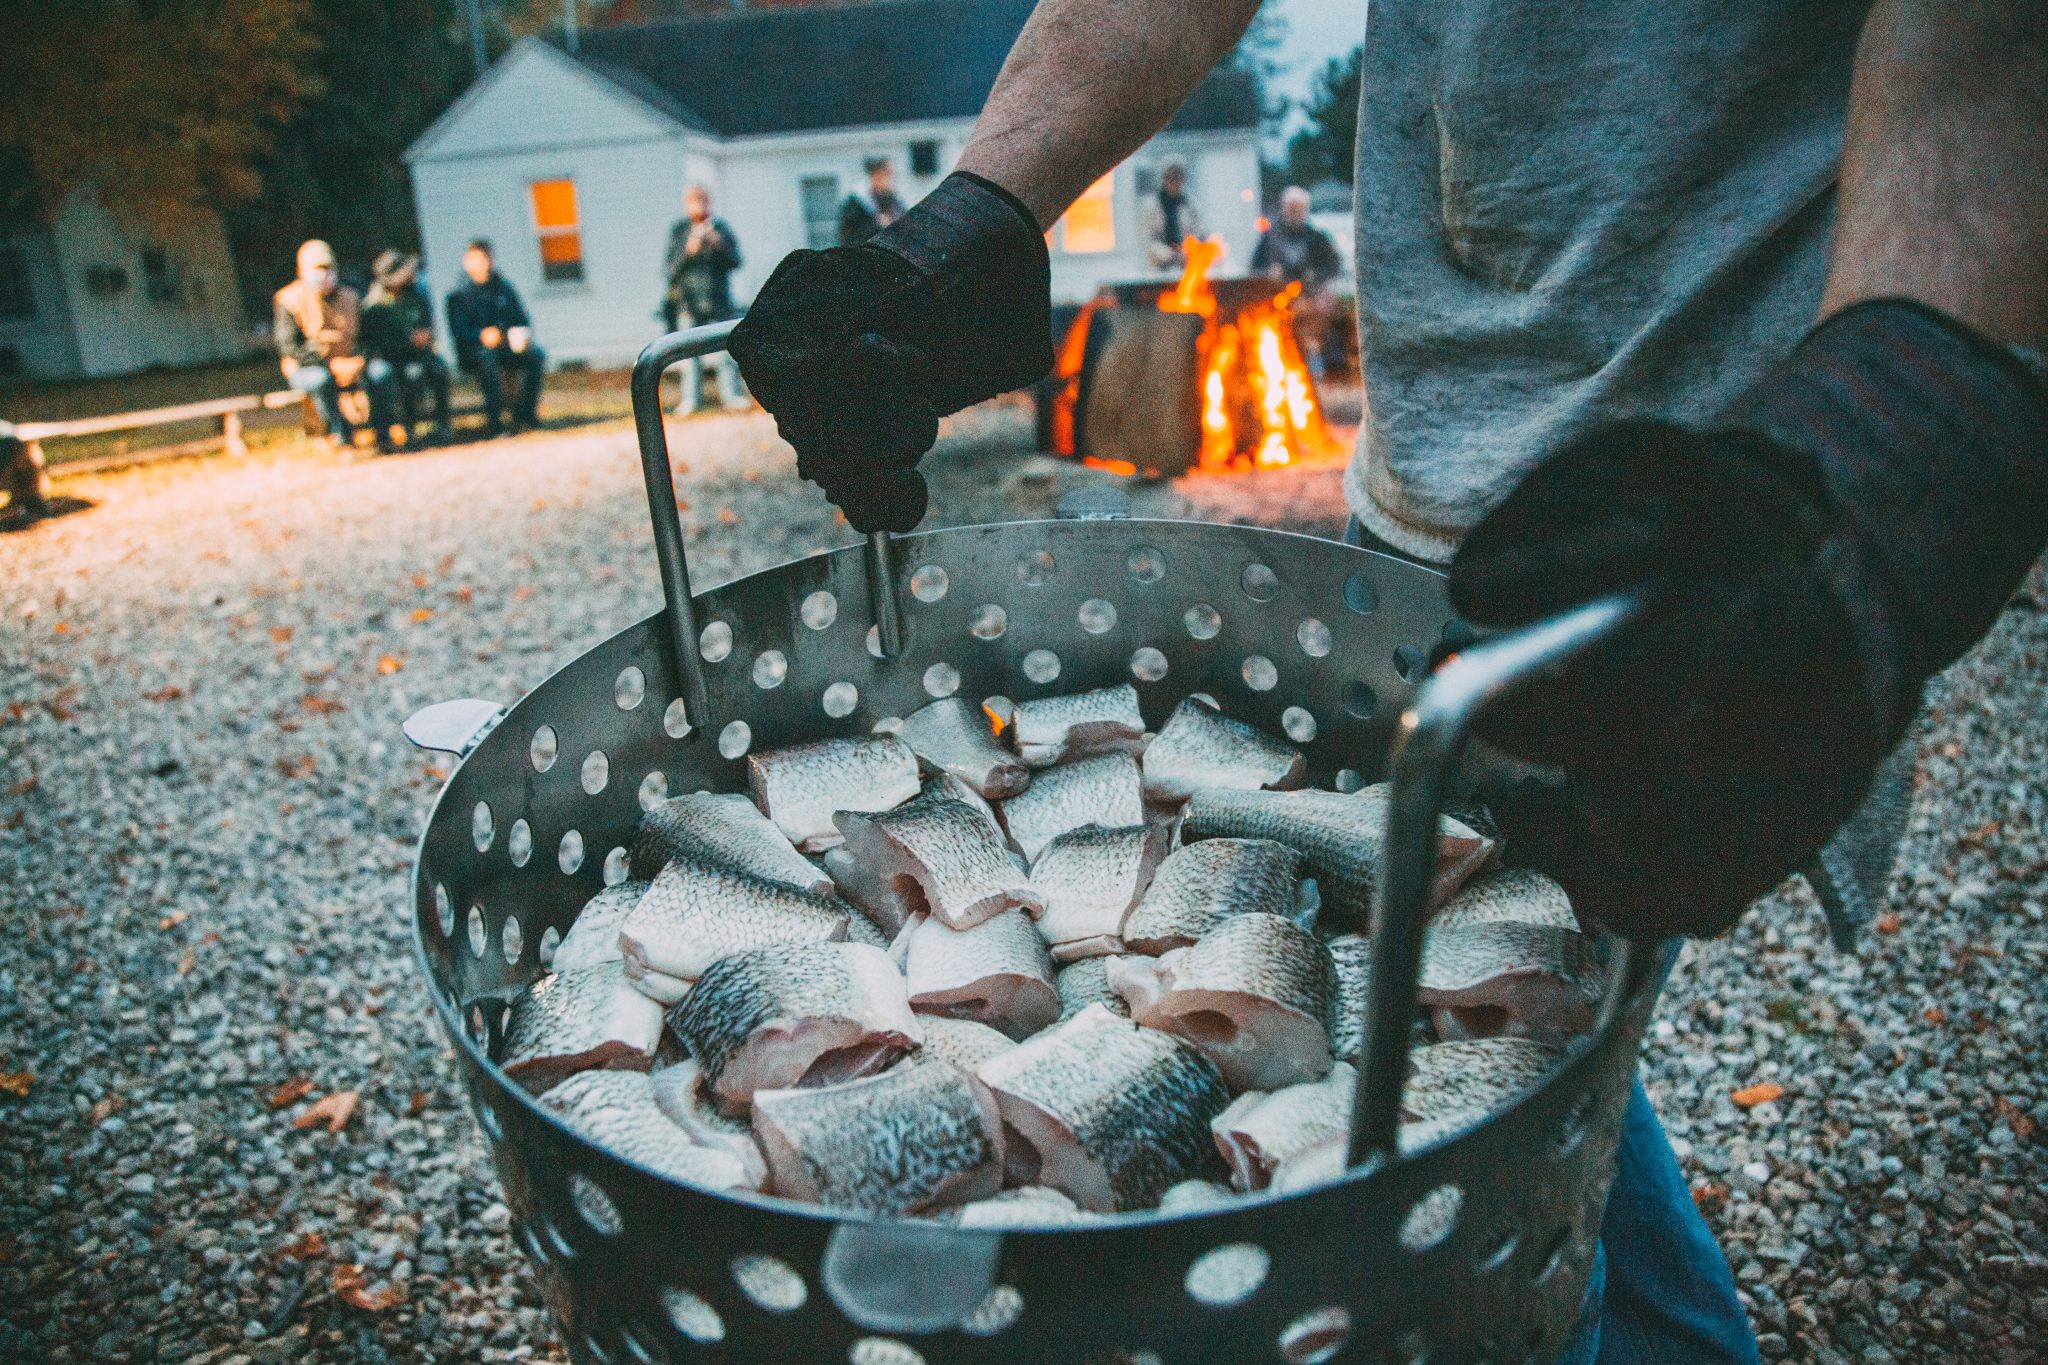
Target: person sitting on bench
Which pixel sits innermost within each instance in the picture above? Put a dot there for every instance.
(492, 336)
(398, 328)
(316, 320)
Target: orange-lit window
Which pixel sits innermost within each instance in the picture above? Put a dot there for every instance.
(1090, 225)
(561, 234)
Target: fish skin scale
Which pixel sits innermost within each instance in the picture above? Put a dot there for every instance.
(567, 1021)
(720, 830)
(693, 915)
(1462, 1082)
(1088, 879)
(1462, 957)
(593, 935)
(1050, 730)
(1102, 790)
(1263, 956)
(801, 787)
(1275, 984)
(1260, 1131)
(1200, 885)
(965, 1043)
(1351, 954)
(956, 859)
(1514, 896)
(1135, 1100)
(679, 1093)
(954, 736)
(1086, 983)
(884, 1144)
(616, 1110)
(945, 968)
(1199, 747)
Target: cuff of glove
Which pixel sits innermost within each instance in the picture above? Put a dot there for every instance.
(962, 223)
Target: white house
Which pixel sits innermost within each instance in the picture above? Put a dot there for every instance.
(84, 294)
(573, 164)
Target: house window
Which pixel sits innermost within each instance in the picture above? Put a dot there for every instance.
(159, 277)
(924, 158)
(17, 298)
(820, 196)
(561, 233)
(1089, 225)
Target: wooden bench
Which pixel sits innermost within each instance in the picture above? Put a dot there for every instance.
(227, 411)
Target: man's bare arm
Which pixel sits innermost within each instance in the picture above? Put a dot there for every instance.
(1086, 83)
(1945, 165)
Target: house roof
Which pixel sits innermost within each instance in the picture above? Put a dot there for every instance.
(761, 71)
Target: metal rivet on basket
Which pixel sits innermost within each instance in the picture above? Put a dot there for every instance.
(819, 610)
(512, 939)
(1202, 621)
(1146, 564)
(653, 789)
(1411, 663)
(714, 642)
(769, 1282)
(1259, 582)
(519, 842)
(988, 622)
(1431, 1218)
(735, 739)
(928, 583)
(629, 689)
(998, 1310)
(550, 939)
(615, 866)
(1036, 568)
(771, 666)
(541, 752)
(883, 1351)
(569, 853)
(1228, 1275)
(1147, 664)
(675, 721)
(887, 725)
(1041, 666)
(481, 828)
(1315, 1336)
(839, 700)
(1360, 595)
(1096, 616)
(1260, 675)
(1348, 780)
(941, 680)
(1313, 636)
(595, 1205)
(597, 771)
(1361, 701)
(1299, 724)
(693, 1317)
(444, 910)
(478, 939)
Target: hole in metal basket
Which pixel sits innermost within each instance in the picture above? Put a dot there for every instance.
(769, 1282)
(999, 709)
(556, 1243)
(1348, 780)
(596, 1349)
(1259, 582)
(550, 939)
(1299, 724)
(735, 739)
(597, 771)
(1360, 700)
(819, 610)
(875, 641)
(883, 1351)
(615, 867)
(675, 721)
(988, 622)
(512, 939)
(839, 700)
(637, 1347)
(771, 666)
(1096, 616)
(541, 753)
(928, 583)
(444, 910)
(1041, 665)
(1228, 1275)
(1260, 674)
(519, 842)
(653, 789)
(1035, 569)
(714, 642)
(693, 1317)
(629, 688)
(1202, 621)
(1146, 565)
(478, 939)
(1314, 637)
(595, 1205)
(1571, 1129)
(481, 828)
(941, 680)
(569, 853)
(1457, 633)
(1411, 663)
(1497, 1248)
(1431, 1218)
(1147, 664)
(531, 1244)
(1553, 1255)
(1315, 1336)
(998, 1310)
(1360, 595)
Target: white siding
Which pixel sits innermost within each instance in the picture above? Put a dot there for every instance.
(42, 341)
(1223, 180)
(538, 99)
(125, 330)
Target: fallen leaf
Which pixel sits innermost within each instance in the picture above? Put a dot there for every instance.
(417, 1105)
(388, 664)
(352, 1288)
(422, 615)
(302, 1248)
(1936, 1015)
(1708, 1196)
(291, 1092)
(187, 960)
(1888, 923)
(316, 674)
(170, 693)
(106, 1109)
(1979, 836)
(464, 595)
(1749, 1097)
(728, 517)
(447, 565)
(419, 580)
(16, 1083)
(174, 919)
(321, 706)
(302, 766)
(2016, 1118)
(433, 773)
(61, 628)
(333, 1110)
(26, 785)
(281, 634)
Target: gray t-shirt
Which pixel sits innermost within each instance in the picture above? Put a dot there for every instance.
(1571, 213)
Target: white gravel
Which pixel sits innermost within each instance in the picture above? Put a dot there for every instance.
(206, 822)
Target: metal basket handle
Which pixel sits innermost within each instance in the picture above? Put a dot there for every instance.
(1428, 742)
(653, 363)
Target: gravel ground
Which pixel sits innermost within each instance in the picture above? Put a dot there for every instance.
(207, 815)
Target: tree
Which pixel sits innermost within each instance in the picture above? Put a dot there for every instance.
(1324, 150)
(1258, 54)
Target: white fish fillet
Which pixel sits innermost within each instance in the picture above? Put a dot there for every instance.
(589, 1019)
(996, 973)
(801, 788)
(1201, 885)
(1259, 1131)
(965, 1043)
(959, 866)
(721, 830)
(1051, 730)
(1512, 896)
(1201, 747)
(1195, 1196)
(1095, 791)
(1086, 983)
(1523, 980)
(693, 915)
(593, 935)
(1462, 1082)
(680, 1093)
(1089, 878)
(617, 1110)
(955, 736)
(1351, 954)
(1031, 1206)
(872, 891)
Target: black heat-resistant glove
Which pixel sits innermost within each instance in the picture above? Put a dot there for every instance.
(1857, 525)
(858, 351)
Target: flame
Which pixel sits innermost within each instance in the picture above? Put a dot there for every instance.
(1193, 294)
(995, 717)
(1113, 466)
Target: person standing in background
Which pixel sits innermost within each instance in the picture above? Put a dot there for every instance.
(702, 254)
(1296, 251)
(492, 336)
(316, 322)
(1170, 219)
(398, 328)
(867, 212)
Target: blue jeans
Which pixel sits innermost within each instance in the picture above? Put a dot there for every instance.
(317, 382)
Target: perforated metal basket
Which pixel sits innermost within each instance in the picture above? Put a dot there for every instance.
(1475, 1249)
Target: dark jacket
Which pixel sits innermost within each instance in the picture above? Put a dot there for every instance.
(1304, 254)
(860, 217)
(390, 319)
(700, 285)
(473, 307)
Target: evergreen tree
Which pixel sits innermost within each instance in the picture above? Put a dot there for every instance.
(1325, 148)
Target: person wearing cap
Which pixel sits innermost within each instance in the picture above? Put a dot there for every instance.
(702, 254)
(398, 329)
(1170, 218)
(494, 337)
(870, 209)
(1296, 251)
(316, 321)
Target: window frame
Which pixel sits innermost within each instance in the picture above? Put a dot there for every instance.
(822, 231)
(17, 281)
(558, 273)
